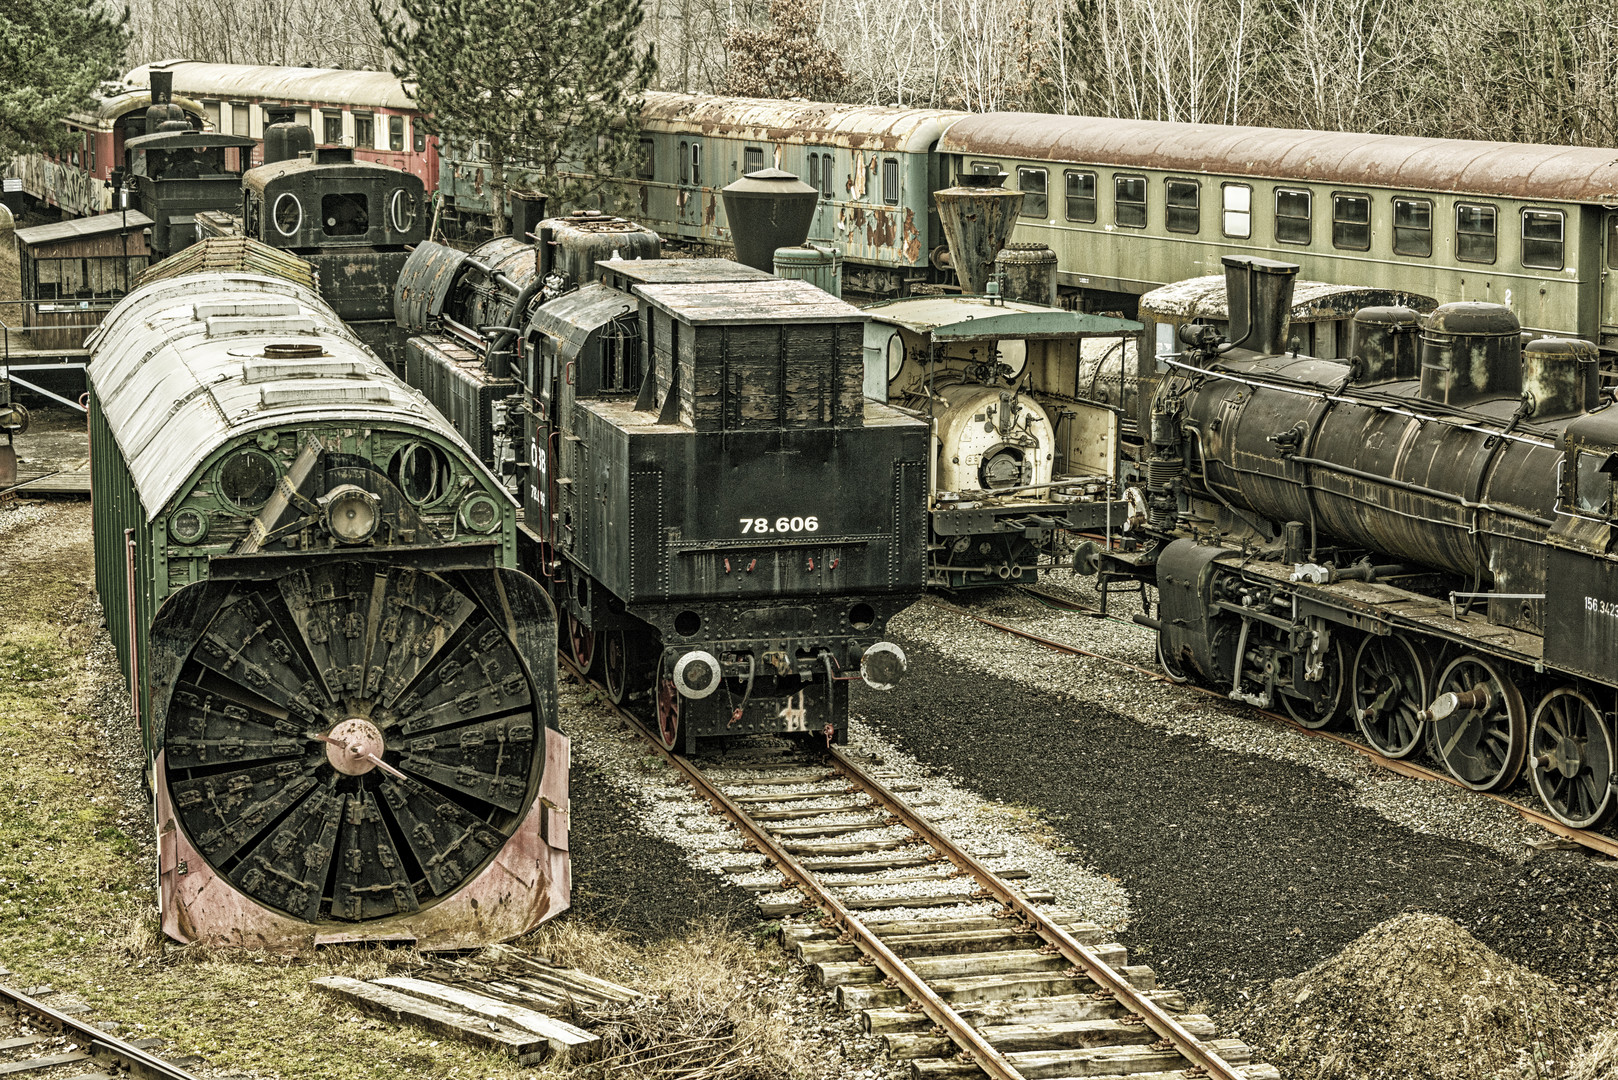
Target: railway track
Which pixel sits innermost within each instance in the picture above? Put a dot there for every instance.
(1589, 839)
(1025, 992)
(35, 1037)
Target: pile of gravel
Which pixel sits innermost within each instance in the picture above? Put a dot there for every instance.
(1419, 997)
(1556, 915)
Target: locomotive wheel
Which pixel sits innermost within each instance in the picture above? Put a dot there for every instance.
(1570, 757)
(1482, 747)
(352, 741)
(1390, 688)
(670, 711)
(1171, 667)
(581, 645)
(1329, 708)
(623, 662)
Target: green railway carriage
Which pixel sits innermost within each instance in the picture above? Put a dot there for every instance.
(344, 686)
(1129, 205)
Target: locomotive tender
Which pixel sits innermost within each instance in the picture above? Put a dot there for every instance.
(1420, 536)
(344, 686)
(723, 517)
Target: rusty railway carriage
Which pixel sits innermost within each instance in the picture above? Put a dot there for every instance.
(370, 112)
(1419, 537)
(344, 686)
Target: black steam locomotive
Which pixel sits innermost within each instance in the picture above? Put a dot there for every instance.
(720, 514)
(1421, 537)
(345, 687)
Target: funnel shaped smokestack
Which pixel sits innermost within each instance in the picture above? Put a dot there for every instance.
(978, 215)
(768, 209)
(1259, 295)
(162, 84)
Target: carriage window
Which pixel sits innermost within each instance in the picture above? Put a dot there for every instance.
(1081, 196)
(239, 123)
(827, 174)
(648, 160)
(814, 171)
(685, 163)
(1238, 210)
(985, 168)
(1032, 183)
(1129, 200)
(364, 132)
(1182, 202)
(1594, 492)
(1413, 227)
(418, 135)
(332, 122)
(1474, 233)
(210, 109)
(1292, 215)
(1542, 239)
(396, 133)
(890, 181)
(1351, 222)
(752, 159)
(696, 164)
(1612, 241)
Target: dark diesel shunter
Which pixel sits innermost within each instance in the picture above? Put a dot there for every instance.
(345, 688)
(722, 516)
(1420, 537)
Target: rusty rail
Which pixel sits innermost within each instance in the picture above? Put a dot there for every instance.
(1583, 837)
(105, 1048)
(963, 1034)
(1166, 1027)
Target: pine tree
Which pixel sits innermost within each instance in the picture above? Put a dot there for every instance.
(53, 56)
(552, 85)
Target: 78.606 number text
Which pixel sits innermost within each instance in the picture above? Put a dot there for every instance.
(761, 526)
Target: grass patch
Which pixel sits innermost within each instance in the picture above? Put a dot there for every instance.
(77, 906)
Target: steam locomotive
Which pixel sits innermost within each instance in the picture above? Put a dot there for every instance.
(1420, 537)
(344, 685)
(722, 517)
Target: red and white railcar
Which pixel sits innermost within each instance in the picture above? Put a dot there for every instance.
(368, 110)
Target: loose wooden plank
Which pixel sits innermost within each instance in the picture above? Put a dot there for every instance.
(379, 1001)
(564, 975)
(568, 1044)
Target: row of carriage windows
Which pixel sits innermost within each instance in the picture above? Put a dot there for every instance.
(1476, 224)
(821, 172)
(329, 126)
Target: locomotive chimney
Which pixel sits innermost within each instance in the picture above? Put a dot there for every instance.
(1471, 352)
(1258, 295)
(1561, 377)
(1384, 345)
(162, 90)
(768, 209)
(527, 211)
(978, 214)
(284, 137)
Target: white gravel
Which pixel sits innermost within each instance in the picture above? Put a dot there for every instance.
(1420, 805)
(1012, 836)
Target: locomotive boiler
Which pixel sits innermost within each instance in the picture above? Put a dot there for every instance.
(344, 686)
(1418, 536)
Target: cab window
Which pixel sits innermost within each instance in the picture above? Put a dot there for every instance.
(1593, 485)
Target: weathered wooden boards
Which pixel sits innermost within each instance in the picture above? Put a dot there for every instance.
(496, 1012)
